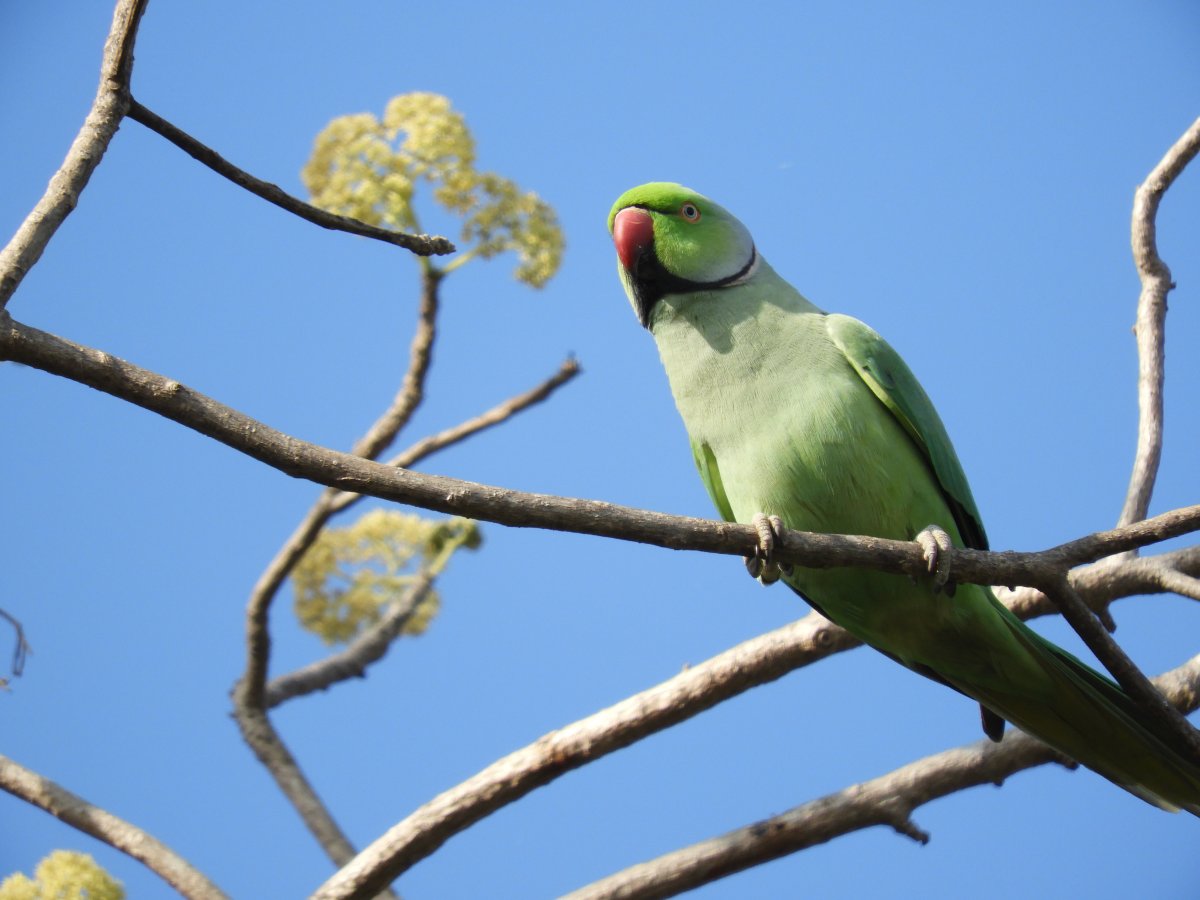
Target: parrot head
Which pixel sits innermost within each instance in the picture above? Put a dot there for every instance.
(671, 240)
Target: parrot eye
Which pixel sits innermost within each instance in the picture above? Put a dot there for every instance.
(690, 212)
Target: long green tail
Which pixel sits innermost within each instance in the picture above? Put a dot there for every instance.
(1089, 718)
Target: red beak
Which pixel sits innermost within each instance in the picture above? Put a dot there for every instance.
(633, 232)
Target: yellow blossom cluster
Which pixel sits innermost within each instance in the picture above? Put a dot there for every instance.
(367, 168)
(346, 579)
(63, 875)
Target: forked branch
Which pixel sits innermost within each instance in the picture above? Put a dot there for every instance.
(103, 119)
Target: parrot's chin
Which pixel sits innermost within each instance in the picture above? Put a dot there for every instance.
(642, 297)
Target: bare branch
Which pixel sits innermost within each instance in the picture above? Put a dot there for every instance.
(62, 193)
(273, 753)
(1151, 321)
(249, 690)
(372, 645)
(520, 509)
(250, 699)
(20, 647)
(104, 826)
(412, 387)
(888, 800)
(420, 244)
(1102, 582)
(701, 687)
(365, 651)
(1178, 583)
(499, 413)
(754, 662)
(352, 662)
(378, 436)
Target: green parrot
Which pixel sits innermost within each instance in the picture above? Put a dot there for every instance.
(811, 421)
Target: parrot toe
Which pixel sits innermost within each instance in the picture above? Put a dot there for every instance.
(762, 564)
(939, 551)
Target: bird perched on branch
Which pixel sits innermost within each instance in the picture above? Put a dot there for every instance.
(809, 420)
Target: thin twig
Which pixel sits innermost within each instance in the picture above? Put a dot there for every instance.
(351, 662)
(21, 646)
(104, 826)
(888, 800)
(420, 244)
(412, 387)
(498, 414)
(521, 509)
(1151, 321)
(103, 119)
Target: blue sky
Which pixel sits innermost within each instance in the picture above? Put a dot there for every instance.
(957, 175)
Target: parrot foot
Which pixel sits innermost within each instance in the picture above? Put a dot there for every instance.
(939, 551)
(761, 565)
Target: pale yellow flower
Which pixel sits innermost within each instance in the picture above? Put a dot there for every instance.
(63, 875)
(368, 169)
(346, 579)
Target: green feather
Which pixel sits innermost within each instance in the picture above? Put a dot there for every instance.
(890, 379)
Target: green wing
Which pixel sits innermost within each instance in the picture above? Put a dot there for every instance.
(890, 380)
(706, 463)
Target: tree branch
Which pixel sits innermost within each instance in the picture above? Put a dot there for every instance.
(520, 509)
(1102, 582)
(104, 826)
(351, 662)
(103, 120)
(701, 687)
(367, 649)
(377, 438)
(20, 645)
(752, 663)
(250, 700)
(412, 387)
(1178, 583)
(260, 734)
(252, 697)
(420, 244)
(1151, 320)
(373, 645)
(888, 800)
(498, 414)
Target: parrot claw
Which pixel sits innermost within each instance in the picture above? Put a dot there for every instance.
(754, 566)
(761, 565)
(939, 551)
